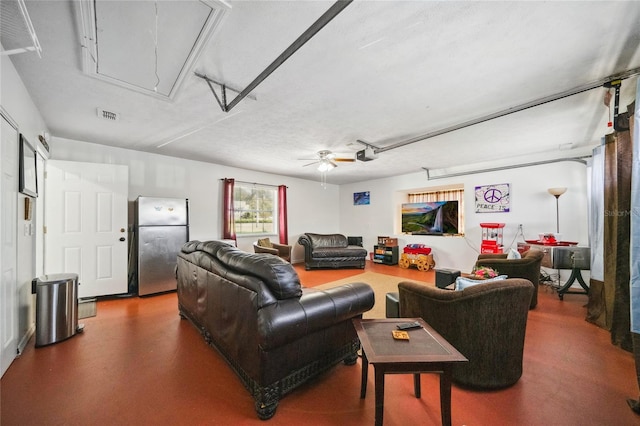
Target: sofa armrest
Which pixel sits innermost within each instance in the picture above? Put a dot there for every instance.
(261, 249)
(492, 256)
(304, 240)
(283, 250)
(291, 319)
(509, 264)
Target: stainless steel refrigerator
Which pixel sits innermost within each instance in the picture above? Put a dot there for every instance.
(162, 227)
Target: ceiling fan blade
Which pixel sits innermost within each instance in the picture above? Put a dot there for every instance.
(344, 160)
(310, 164)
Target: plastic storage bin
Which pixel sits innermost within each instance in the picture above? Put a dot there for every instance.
(56, 307)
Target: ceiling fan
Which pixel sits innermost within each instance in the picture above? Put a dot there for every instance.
(327, 160)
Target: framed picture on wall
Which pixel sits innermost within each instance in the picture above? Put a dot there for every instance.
(493, 198)
(28, 177)
(361, 198)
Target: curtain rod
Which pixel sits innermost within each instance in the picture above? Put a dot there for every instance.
(253, 183)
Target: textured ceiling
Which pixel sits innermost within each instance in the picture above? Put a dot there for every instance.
(382, 72)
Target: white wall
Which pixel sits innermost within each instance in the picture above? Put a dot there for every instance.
(531, 205)
(17, 103)
(310, 207)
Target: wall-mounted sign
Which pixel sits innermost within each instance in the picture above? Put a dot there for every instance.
(493, 198)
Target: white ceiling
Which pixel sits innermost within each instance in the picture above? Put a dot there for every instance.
(382, 72)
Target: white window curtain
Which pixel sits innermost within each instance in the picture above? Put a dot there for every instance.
(596, 213)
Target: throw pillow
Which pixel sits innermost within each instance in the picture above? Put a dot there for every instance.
(462, 283)
(265, 242)
(514, 254)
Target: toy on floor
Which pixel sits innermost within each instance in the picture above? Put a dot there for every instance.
(418, 255)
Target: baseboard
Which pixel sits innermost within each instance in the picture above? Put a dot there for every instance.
(25, 339)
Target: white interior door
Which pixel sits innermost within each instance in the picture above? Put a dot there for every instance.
(86, 225)
(8, 244)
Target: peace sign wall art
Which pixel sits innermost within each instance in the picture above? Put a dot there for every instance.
(493, 198)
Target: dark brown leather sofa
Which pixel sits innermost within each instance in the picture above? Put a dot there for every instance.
(275, 334)
(331, 251)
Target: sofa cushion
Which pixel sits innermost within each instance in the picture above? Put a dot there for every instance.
(333, 252)
(328, 240)
(514, 254)
(277, 274)
(265, 242)
(462, 283)
(190, 246)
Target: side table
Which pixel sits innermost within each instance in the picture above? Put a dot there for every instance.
(425, 352)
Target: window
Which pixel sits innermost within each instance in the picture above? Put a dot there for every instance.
(442, 195)
(255, 209)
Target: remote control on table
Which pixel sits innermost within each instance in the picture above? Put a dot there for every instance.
(408, 325)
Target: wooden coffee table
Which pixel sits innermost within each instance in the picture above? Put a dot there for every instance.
(425, 352)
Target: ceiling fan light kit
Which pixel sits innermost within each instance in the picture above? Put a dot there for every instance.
(327, 160)
(326, 166)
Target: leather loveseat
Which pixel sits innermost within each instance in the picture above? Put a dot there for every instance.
(331, 251)
(275, 334)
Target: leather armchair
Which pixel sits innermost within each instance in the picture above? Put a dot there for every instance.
(485, 322)
(528, 267)
(281, 250)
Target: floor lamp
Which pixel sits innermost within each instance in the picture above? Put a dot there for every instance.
(557, 192)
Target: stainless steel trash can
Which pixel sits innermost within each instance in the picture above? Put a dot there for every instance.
(56, 307)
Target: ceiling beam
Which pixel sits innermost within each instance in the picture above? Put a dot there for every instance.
(326, 17)
(518, 108)
(582, 160)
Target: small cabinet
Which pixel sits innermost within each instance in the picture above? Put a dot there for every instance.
(385, 255)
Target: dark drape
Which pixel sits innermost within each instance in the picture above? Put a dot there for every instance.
(282, 215)
(617, 243)
(228, 224)
(609, 300)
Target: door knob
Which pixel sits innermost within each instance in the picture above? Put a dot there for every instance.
(122, 238)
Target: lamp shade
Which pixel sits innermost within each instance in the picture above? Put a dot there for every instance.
(557, 192)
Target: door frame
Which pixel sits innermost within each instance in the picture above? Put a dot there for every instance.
(7, 358)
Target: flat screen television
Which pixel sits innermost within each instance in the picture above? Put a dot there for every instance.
(436, 218)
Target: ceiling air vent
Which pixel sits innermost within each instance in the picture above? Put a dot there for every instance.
(17, 34)
(108, 115)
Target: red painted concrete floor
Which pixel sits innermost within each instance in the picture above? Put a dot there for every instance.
(138, 363)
